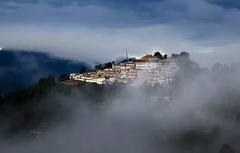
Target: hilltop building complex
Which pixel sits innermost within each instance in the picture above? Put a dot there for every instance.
(148, 69)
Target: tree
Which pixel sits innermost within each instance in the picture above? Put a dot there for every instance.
(174, 55)
(107, 65)
(51, 80)
(63, 77)
(83, 69)
(226, 149)
(158, 55)
(99, 67)
(185, 54)
(165, 56)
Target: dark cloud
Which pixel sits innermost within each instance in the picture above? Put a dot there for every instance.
(227, 3)
(191, 25)
(101, 11)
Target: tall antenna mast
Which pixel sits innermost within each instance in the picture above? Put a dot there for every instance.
(126, 54)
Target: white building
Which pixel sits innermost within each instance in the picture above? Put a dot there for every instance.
(148, 69)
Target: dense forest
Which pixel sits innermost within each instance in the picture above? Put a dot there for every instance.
(41, 104)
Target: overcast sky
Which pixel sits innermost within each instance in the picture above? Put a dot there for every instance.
(103, 29)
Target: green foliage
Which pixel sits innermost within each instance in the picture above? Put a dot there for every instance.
(185, 55)
(158, 55)
(165, 56)
(104, 66)
(40, 104)
(226, 149)
(63, 77)
(83, 69)
(24, 109)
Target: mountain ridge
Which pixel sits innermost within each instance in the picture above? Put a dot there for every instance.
(20, 68)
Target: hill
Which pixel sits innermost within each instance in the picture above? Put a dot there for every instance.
(200, 112)
(20, 68)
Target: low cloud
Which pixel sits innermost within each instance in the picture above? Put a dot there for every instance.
(200, 117)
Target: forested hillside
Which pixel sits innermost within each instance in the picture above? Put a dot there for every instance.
(20, 69)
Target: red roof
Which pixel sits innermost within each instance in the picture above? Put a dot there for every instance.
(147, 57)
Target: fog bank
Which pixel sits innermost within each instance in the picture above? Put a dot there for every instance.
(200, 114)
